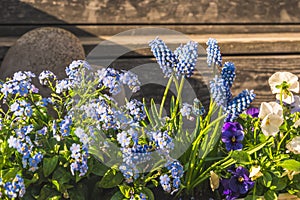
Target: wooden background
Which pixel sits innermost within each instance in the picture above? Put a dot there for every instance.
(259, 36)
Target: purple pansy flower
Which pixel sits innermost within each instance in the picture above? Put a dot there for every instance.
(232, 136)
(253, 112)
(239, 184)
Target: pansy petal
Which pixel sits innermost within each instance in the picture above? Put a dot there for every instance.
(289, 99)
(276, 108)
(275, 80)
(270, 124)
(265, 109)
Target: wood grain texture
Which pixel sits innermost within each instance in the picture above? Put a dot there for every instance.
(109, 30)
(230, 44)
(149, 11)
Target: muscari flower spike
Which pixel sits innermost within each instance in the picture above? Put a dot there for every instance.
(213, 53)
(228, 73)
(164, 56)
(238, 104)
(187, 57)
(182, 61)
(220, 91)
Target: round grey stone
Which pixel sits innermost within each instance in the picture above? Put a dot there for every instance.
(40, 49)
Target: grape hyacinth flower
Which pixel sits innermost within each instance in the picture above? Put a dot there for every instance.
(228, 73)
(187, 57)
(232, 136)
(239, 184)
(164, 56)
(181, 62)
(220, 91)
(238, 104)
(213, 53)
(198, 108)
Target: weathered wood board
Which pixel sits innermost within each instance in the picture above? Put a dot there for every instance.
(148, 12)
(230, 44)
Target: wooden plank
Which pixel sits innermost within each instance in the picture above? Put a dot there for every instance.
(231, 44)
(148, 12)
(109, 30)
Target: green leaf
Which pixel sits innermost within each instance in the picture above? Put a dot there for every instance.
(267, 179)
(291, 165)
(111, 179)
(154, 113)
(62, 175)
(47, 193)
(99, 168)
(117, 196)
(78, 193)
(241, 157)
(125, 189)
(148, 193)
(280, 183)
(9, 173)
(49, 164)
(270, 195)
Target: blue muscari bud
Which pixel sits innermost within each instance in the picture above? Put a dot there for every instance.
(187, 58)
(164, 56)
(213, 53)
(220, 91)
(239, 104)
(228, 73)
(198, 108)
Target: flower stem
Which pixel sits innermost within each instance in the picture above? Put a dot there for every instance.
(165, 96)
(281, 141)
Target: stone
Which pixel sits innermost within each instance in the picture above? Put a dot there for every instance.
(40, 49)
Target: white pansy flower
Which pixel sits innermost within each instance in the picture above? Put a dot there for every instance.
(271, 107)
(294, 145)
(291, 80)
(270, 124)
(272, 117)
